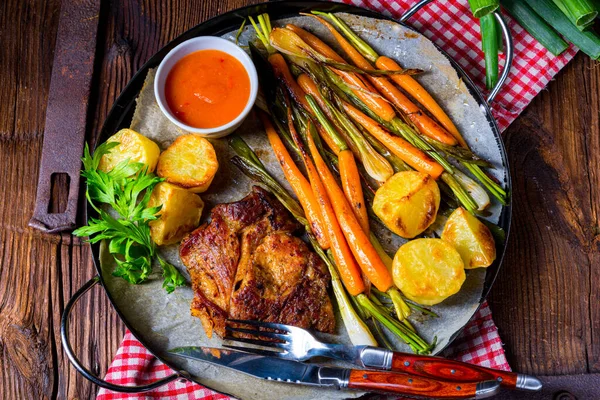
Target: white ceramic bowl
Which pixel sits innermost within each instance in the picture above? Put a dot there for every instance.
(205, 43)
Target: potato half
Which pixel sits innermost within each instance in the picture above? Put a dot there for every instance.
(180, 213)
(132, 146)
(190, 162)
(407, 203)
(471, 238)
(428, 271)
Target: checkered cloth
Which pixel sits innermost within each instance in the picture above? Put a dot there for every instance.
(451, 26)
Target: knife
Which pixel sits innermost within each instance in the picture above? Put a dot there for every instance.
(277, 369)
(425, 366)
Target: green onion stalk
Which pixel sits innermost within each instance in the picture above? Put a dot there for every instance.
(581, 13)
(251, 165)
(489, 45)
(588, 41)
(536, 26)
(483, 8)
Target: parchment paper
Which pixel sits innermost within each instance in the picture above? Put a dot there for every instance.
(164, 321)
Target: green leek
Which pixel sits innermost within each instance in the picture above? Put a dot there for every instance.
(588, 42)
(536, 26)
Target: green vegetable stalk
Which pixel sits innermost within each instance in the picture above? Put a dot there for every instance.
(588, 42)
(536, 26)
(481, 8)
(489, 45)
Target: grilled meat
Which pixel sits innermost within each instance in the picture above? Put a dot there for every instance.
(247, 264)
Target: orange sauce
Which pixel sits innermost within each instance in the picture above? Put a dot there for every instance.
(207, 88)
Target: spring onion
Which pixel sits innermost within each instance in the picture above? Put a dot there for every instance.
(588, 42)
(580, 12)
(536, 26)
(481, 8)
(489, 45)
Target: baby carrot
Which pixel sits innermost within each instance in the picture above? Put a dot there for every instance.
(298, 182)
(348, 269)
(419, 93)
(400, 147)
(364, 252)
(350, 178)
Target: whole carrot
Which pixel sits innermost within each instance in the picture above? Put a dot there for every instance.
(348, 269)
(360, 245)
(298, 182)
(400, 147)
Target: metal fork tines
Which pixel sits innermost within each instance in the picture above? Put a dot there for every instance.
(285, 341)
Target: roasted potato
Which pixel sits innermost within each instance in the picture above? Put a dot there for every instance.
(407, 203)
(428, 271)
(190, 162)
(180, 213)
(132, 146)
(471, 238)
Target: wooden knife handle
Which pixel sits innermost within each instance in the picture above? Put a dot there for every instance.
(455, 371)
(410, 385)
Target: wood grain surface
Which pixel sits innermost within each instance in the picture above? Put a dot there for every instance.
(546, 298)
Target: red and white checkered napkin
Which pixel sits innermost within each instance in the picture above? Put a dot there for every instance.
(451, 26)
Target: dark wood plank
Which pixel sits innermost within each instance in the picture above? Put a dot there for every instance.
(545, 301)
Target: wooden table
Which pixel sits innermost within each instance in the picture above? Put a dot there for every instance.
(545, 301)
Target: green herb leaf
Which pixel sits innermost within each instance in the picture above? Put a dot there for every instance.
(172, 276)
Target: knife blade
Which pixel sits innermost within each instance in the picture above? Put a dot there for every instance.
(277, 369)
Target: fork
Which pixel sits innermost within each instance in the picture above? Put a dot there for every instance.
(293, 343)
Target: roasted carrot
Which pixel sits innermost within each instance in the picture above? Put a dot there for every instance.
(400, 147)
(424, 123)
(310, 87)
(347, 163)
(364, 252)
(316, 43)
(350, 178)
(298, 182)
(282, 71)
(418, 92)
(347, 266)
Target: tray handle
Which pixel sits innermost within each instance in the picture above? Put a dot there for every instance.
(508, 42)
(64, 337)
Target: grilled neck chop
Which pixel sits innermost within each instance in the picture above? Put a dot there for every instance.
(247, 264)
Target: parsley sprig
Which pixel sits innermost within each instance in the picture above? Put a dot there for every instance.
(127, 189)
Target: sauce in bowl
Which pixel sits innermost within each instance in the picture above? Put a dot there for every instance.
(207, 89)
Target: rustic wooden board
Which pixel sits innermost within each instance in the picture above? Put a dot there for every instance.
(546, 298)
